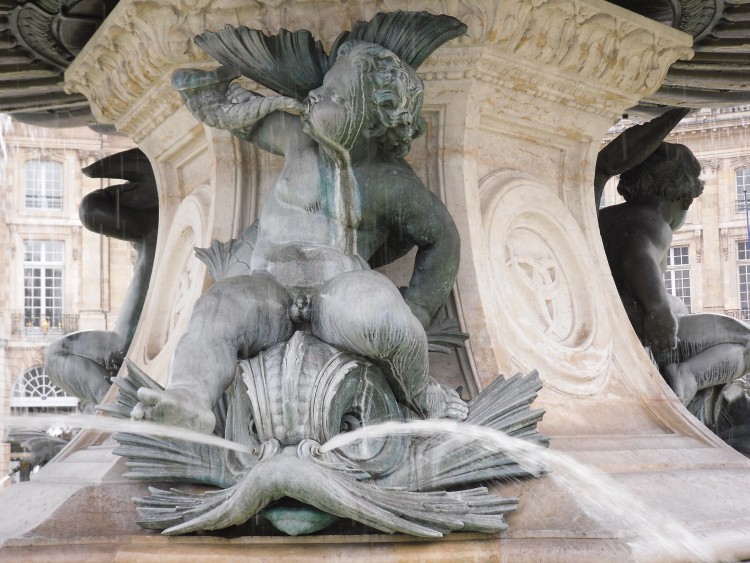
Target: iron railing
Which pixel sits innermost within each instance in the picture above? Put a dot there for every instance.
(742, 314)
(43, 326)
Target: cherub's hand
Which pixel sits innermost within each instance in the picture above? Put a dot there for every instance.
(236, 94)
(439, 401)
(661, 332)
(176, 406)
(213, 99)
(422, 314)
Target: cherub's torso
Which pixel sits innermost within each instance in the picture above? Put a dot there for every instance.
(299, 237)
(629, 224)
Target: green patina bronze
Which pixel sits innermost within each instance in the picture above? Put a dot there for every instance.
(704, 356)
(325, 344)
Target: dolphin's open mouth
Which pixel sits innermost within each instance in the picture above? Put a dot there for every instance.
(295, 518)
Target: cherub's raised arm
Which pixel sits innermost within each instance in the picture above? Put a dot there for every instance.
(632, 147)
(214, 99)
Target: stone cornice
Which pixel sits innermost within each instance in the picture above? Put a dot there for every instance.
(142, 41)
(591, 40)
(498, 70)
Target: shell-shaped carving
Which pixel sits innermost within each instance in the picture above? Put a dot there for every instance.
(305, 388)
(230, 258)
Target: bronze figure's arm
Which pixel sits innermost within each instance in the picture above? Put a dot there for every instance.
(212, 98)
(632, 147)
(424, 220)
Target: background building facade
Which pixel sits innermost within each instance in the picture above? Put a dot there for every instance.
(56, 277)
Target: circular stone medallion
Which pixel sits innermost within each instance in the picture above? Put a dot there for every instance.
(178, 278)
(545, 285)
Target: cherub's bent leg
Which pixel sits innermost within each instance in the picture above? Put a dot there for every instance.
(77, 363)
(365, 313)
(713, 329)
(717, 349)
(236, 316)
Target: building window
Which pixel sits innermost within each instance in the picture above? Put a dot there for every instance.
(677, 276)
(35, 392)
(742, 176)
(743, 269)
(43, 283)
(43, 184)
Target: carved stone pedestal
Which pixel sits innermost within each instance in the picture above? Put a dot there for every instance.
(515, 111)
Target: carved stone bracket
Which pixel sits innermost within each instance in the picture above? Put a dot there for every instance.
(12, 231)
(740, 162)
(709, 165)
(724, 235)
(45, 153)
(87, 157)
(76, 236)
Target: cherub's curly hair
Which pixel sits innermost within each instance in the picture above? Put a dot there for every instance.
(670, 172)
(397, 91)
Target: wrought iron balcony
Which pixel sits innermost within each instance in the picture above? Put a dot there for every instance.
(742, 314)
(43, 327)
(741, 204)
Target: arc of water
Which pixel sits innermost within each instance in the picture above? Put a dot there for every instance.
(603, 495)
(109, 424)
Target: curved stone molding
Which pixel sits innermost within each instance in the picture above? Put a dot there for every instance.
(539, 264)
(178, 280)
(142, 41)
(740, 162)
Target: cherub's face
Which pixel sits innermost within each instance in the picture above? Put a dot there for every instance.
(337, 109)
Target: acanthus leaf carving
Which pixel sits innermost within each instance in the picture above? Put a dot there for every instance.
(709, 165)
(143, 41)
